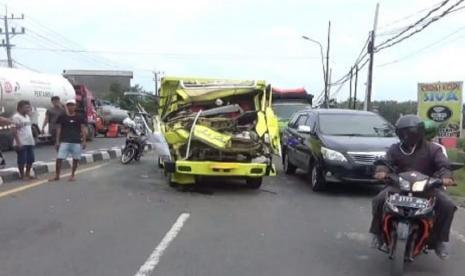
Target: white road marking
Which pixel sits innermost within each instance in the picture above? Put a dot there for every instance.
(354, 236)
(149, 265)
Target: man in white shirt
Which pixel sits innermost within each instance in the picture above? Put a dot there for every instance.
(23, 138)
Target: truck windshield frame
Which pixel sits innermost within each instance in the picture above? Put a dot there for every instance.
(285, 110)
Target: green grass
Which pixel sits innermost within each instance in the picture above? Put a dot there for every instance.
(459, 190)
(456, 155)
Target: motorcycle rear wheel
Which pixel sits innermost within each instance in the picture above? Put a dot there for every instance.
(128, 154)
(398, 258)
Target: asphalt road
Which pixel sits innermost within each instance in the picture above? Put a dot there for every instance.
(115, 218)
(47, 152)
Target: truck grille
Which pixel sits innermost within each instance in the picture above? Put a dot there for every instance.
(366, 158)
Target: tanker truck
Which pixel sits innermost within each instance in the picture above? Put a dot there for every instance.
(110, 118)
(38, 88)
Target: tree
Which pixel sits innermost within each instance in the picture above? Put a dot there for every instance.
(116, 96)
(390, 110)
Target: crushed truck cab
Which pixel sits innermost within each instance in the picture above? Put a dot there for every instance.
(221, 128)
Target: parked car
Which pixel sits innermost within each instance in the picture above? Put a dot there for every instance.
(335, 145)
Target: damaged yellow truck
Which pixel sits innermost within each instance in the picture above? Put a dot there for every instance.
(220, 128)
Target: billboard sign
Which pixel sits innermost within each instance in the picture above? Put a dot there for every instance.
(442, 103)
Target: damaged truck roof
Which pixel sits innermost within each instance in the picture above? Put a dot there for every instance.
(198, 89)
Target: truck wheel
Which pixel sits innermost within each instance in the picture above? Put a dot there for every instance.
(90, 132)
(254, 182)
(169, 181)
(287, 165)
(316, 178)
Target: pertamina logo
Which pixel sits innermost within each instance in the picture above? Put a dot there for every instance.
(7, 87)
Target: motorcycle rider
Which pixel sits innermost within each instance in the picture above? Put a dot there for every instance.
(414, 152)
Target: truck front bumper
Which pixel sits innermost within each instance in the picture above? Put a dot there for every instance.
(211, 168)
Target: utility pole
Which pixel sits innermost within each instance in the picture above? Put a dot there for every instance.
(350, 87)
(355, 88)
(371, 52)
(157, 75)
(9, 34)
(327, 84)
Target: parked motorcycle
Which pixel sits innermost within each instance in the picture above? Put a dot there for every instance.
(408, 217)
(136, 140)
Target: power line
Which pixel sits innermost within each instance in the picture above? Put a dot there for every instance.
(37, 41)
(167, 54)
(412, 54)
(15, 61)
(384, 45)
(415, 24)
(405, 18)
(40, 37)
(363, 54)
(341, 84)
(64, 42)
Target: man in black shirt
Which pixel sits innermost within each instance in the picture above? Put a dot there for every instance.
(52, 115)
(70, 138)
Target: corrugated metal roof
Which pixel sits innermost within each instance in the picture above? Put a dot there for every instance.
(112, 73)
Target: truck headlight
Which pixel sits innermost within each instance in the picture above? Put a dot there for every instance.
(332, 155)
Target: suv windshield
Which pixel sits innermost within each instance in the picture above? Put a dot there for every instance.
(355, 125)
(284, 111)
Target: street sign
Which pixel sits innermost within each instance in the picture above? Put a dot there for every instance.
(442, 103)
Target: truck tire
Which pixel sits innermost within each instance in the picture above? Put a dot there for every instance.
(90, 132)
(254, 182)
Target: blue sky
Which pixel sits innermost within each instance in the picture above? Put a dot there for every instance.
(250, 39)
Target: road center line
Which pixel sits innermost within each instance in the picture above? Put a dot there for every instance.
(38, 183)
(149, 265)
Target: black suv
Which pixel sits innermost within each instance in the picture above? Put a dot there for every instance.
(335, 145)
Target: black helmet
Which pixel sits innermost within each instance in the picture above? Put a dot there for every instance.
(411, 130)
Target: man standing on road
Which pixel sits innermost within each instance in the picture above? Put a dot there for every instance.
(52, 115)
(23, 138)
(70, 138)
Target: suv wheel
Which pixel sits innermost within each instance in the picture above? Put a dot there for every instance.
(288, 167)
(316, 179)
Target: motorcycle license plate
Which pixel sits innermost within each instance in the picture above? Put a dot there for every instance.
(408, 201)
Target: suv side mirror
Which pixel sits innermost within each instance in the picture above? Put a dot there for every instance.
(304, 129)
